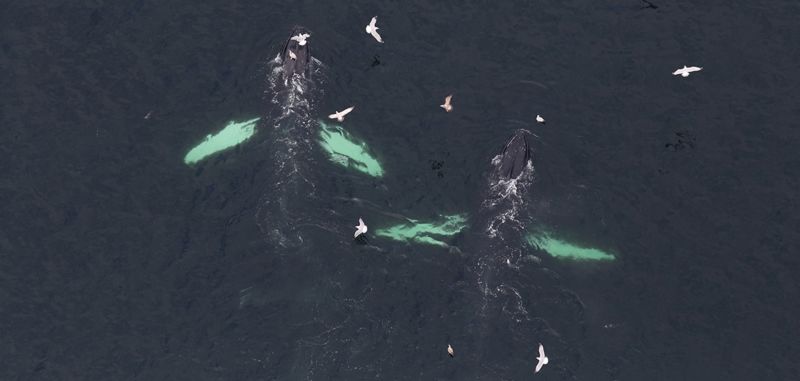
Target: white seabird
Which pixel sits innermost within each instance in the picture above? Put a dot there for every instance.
(360, 229)
(447, 106)
(542, 359)
(373, 29)
(339, 115)
(301, 38)
(539, 119)
(450, 351)
(684, 72)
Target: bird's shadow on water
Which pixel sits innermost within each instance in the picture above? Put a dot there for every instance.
(649, 5)
(376, 60)
(361, 240)
(637, 5)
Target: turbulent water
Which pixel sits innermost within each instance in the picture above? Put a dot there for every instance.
(291, 127)
(120, 261)
(511, 295)
(502, 217)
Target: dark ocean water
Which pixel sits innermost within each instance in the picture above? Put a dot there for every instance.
(120, 262)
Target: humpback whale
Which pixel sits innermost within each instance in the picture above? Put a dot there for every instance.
(294, 78)
(502, 215)
(501, 309)
(516, 303)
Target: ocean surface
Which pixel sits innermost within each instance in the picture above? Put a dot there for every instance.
(119, 261)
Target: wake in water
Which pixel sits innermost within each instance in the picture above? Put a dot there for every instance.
(505, 323)
(292, 128)
(505, 201)
(503, 209)
(518, 303)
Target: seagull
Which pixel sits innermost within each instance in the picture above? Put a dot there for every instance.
(542, 358)
(539, 119)
(301, 38)
(684, 72)
(450, 351)
(292, 55)
(339, 115)
(447, 106)
(373, 29)
(361, 228)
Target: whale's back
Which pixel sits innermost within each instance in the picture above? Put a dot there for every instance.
(516, 155)
(302, 61)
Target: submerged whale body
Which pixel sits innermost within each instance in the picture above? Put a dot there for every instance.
(296, 57)
(516, 155)
(289, 192)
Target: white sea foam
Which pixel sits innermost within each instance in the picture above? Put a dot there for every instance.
(504, 204)
(505, 200)
(290, 142)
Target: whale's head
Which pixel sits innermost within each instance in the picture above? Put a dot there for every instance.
(515, 156)
(296, 57)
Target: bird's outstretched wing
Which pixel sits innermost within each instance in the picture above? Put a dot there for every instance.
(541, 350)
(361, 228)
(377, 36)
(301, 38)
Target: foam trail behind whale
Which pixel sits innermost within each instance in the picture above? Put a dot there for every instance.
(293, 91)
(509, 182)
(517, 303)
(501, 312)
